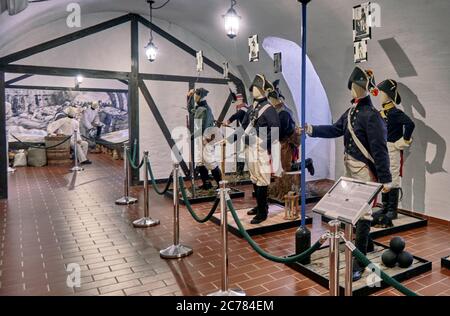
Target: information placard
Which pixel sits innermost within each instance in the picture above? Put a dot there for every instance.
(348, 200)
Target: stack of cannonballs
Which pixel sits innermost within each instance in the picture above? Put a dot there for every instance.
(396, 254)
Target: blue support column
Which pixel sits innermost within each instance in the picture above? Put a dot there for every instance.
(303, 116)
(303, 235)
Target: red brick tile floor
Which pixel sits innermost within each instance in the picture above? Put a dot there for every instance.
(53, 219)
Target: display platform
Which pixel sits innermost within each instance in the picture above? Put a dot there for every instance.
(274, 222)
(318, 270)
(201, 197)
(315, 191)
(405, 221)
(445, 262)
(234, 179)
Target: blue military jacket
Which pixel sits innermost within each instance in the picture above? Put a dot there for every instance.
(371, 131)
(398, 123)
(264, 123)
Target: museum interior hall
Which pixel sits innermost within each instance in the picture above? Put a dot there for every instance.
(195, 148)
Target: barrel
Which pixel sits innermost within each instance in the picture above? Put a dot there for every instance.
(60, 154)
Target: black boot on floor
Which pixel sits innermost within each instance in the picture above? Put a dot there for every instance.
(254, 210)
(380, 218)
(393, 204)
(240, 165)
(204, 175)
(217, 175)
(309, 164)
(263, 206)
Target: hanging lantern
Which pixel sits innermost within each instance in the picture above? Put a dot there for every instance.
(151, 51)
(232, 20)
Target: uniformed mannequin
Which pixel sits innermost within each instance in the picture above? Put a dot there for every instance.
(399, 131)
(366, 158)
(241, 111)
(91, 120)
(290, 143)
(204, 137)
(67, 126)
(258, 123)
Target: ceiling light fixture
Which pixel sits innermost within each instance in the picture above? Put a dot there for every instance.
(151, 50)
(232, 20)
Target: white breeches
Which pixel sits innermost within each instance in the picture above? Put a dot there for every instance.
(357, 169)
(82, 150)
(395, 164)
(205, 154)
(259, 164)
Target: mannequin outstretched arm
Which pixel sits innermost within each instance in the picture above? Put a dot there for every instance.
(328, 131)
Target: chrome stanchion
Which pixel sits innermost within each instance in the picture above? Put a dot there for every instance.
(348, 261)
(334, 257)
(76, 168)
(176, 250)
(146, 221)
(224, 290)
(126, 199)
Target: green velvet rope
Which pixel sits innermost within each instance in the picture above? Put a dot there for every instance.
(155, 186)
(386, 278)
(189, 206)
(132, 163)
(299, 257)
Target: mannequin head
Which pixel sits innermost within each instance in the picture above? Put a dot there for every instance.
(258, 93)
(358, 92)
(361, 81)
(385, 98)
(260, 86)
(200, 94)
(389, 92)
(275, 96)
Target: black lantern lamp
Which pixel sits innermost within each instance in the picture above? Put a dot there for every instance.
(232, 20)
(151, 50)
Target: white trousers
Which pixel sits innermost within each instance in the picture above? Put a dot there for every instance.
(258, 163)
(205, 154)
(82, 150)
(395, 162)
(357, 169)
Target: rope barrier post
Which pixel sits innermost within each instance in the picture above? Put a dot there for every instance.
(126, 199)
(348, 233)
(224, 150)
(76, 168)
(146, 221)
(334, 257)
(176, 250)
(224, 290)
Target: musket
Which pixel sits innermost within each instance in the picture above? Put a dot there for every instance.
(191, 164)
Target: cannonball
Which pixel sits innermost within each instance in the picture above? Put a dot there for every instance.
(389, 258)
(405, 259)
(397, 244)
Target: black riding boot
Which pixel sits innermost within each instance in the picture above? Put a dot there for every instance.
(217, 175)
(309, 164)
(385, 201)
(393, 203)
(263, 207)
(362, 241)
(204, 175)
(240, 167)
(254, 210)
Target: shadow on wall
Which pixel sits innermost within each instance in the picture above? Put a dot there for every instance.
(414, 178)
